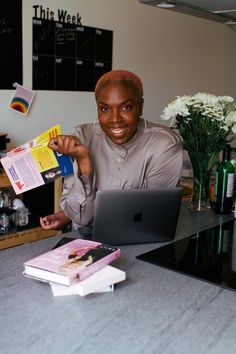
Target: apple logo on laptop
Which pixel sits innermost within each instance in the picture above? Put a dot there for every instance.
(138, 217)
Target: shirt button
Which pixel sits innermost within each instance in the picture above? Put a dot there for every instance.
(118, 160)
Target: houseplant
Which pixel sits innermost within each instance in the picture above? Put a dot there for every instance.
(206, 123)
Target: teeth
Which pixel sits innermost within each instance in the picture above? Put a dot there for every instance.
(118, 131)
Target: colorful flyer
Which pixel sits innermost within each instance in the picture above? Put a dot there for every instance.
(33, 164)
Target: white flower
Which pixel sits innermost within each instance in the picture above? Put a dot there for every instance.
(225, 99)
(230, 120)
(231, 117)
(204, 121)
(202, 103)
(225, 128)
(206, 98)
(177, 107)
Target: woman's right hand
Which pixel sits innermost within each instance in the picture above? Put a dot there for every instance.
(54, 221)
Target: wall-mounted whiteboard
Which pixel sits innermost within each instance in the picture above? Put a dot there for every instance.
(69, 57)
(11, 43)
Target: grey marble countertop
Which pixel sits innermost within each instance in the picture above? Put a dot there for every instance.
(154, 311)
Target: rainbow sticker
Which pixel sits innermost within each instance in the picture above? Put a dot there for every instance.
(22, 100)
(19, 104)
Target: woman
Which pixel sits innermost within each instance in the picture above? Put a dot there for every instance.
(123, 151)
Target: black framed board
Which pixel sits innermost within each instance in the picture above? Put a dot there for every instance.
(69, 57)
(11, 43)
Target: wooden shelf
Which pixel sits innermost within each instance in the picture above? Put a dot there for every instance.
(36, 233)
(19, 238)
(4, 181)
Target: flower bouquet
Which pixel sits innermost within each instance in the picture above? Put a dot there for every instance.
(206, 123)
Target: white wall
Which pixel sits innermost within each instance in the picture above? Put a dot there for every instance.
(174, 54)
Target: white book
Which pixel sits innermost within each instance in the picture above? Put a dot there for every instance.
(101, 281)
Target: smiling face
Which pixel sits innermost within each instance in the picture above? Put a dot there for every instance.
(119, 110)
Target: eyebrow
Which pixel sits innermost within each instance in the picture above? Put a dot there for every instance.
(122, 103)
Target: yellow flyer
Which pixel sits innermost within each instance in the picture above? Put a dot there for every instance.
(44, 158)
(43, 138)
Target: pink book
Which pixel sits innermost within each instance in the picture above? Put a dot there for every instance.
(75, 260)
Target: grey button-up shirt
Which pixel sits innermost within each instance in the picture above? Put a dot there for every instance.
(152, 159)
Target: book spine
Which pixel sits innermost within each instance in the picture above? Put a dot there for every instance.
(98, 265)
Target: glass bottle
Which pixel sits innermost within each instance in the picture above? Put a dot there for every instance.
(224, 185)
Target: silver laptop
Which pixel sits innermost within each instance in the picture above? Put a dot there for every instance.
(134, 216)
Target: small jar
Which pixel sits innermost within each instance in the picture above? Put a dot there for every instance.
(4, 223)
(6, 219)
(22, 217)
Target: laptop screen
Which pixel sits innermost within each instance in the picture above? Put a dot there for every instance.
(136, 216)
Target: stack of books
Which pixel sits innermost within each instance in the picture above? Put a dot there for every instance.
(77, 267)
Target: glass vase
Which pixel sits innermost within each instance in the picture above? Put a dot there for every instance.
(202, 165)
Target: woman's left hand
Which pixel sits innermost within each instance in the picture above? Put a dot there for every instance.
(70, 145)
